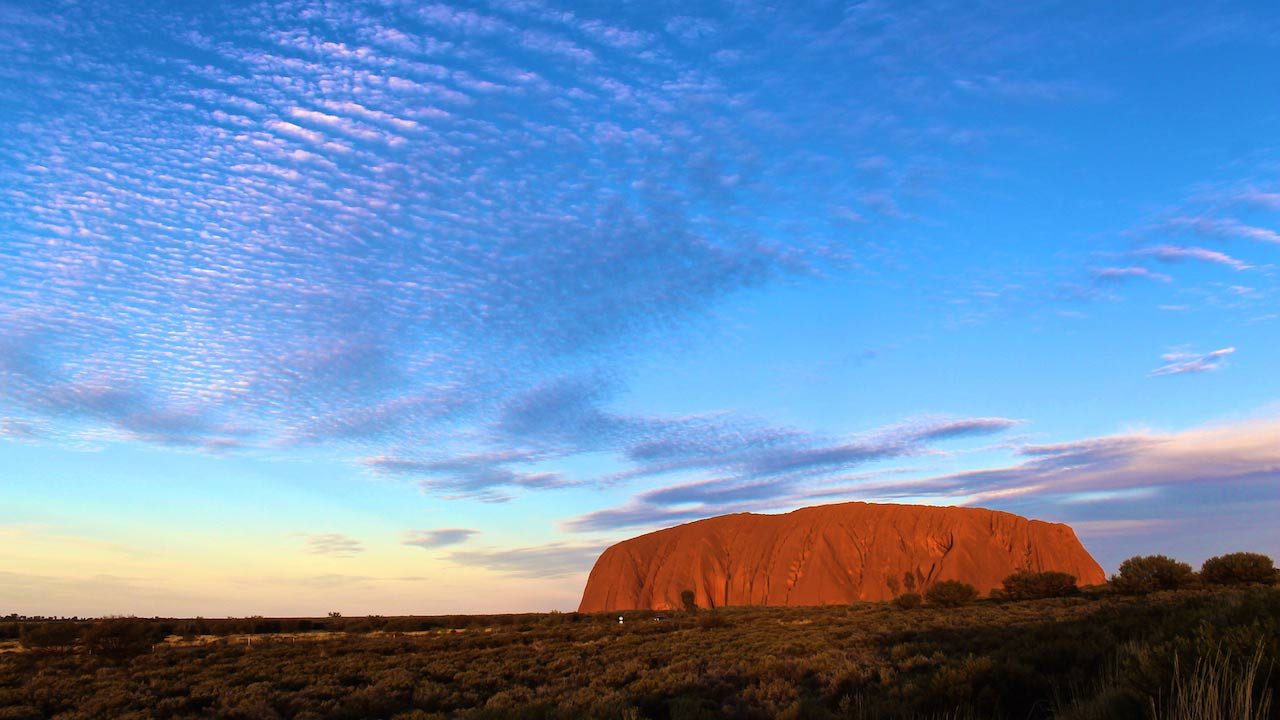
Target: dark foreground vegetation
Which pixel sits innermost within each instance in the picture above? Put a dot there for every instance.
(1205, 648)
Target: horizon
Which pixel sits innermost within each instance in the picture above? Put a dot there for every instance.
(391, 308)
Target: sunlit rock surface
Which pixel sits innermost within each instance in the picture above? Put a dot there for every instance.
(829, 554)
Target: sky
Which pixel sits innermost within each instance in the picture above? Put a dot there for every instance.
(407, 307)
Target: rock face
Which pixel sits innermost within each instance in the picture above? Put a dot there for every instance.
(829, 554)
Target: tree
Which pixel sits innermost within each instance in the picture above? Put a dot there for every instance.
(951, 593)
(49, 635)
(1238, 569)
(121, 637)
(1029, 585)
(907, 601)
(688, 600)
(1148, 573)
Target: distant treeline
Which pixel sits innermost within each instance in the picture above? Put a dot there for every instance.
(11, 627)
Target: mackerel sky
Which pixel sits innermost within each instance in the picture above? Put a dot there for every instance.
(405, 307)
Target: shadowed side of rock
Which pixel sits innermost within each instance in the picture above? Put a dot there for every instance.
(829, 554)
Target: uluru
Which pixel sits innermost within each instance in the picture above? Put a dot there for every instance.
(829, 554)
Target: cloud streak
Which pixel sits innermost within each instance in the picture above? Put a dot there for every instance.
(1185, 363)
(1109, 486)
(331, 544)
(753, 475)
(441, 537)
(1121, 274)
(1175, 254)
(1227, 228)
(550, 561)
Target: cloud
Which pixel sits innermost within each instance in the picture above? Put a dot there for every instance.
(430, 539)
(322, 239)
(1125, 527)
(332, 544)
(751, 474)
(968, 427)
(18, 430)
(1027, 90)
(564, 411)
(1240, 454)
(329, 235)
(1174, 253)
(554, 560)
(1258, 198)
(1120, 274)
(479, 476)
(43, 386)
(566, 416)
(1182, 363)
(1090, 479)
(1226, 229)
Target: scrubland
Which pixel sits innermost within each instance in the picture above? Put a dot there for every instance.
(1200, 652)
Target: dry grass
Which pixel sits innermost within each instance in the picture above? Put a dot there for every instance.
(1220, 687)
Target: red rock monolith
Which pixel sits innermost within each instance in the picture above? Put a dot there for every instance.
(829, 554)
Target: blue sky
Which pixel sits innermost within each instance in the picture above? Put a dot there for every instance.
(411, 307)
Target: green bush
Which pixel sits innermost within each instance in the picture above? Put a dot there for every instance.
(1238, 569)
(1034, 585)
(951, 593)
(906, 601)
(687, 599)
(1149, 573)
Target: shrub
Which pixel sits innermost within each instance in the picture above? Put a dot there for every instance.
(951, 593)
(687, 599)
(1032, 585)
(121, 637)
(48, 635)
(1238, 569)
(906, 601)
(711, 620)
(1148, 573)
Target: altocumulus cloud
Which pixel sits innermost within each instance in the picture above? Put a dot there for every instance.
(323, 239)
(330, 235)
(17, 429)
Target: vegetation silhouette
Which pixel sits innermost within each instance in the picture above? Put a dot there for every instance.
(950, 593)
(1149, 573)
(1035, 585)
(1238, 568)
